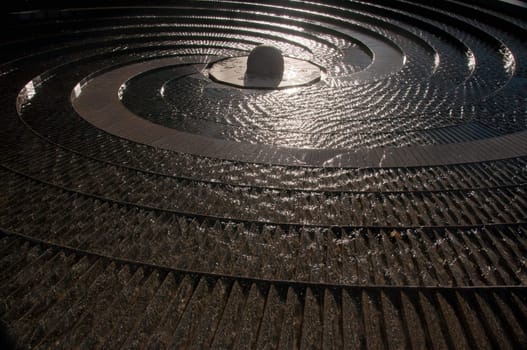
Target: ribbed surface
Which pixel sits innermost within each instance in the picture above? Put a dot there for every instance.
(64, 299)
(109, 243)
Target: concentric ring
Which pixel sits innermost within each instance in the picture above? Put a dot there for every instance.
(98, 103)
(211, 149)
(391, 190)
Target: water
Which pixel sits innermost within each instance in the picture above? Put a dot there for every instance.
(339, 112)
(142, 245)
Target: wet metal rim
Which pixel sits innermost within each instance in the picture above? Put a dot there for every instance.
(97, 101)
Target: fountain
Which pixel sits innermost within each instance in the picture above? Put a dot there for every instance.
(264, 68)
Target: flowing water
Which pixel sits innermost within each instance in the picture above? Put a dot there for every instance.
(106, 241)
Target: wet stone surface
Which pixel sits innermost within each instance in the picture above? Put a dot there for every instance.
(265, 61)
(297, 72)
(383, 205)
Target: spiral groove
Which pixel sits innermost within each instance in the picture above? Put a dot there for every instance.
(392, 189)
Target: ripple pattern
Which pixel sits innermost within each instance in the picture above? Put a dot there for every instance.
(109, 242)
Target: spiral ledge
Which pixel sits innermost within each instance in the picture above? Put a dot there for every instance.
(380, 203)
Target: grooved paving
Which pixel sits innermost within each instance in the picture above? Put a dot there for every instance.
(145, 205)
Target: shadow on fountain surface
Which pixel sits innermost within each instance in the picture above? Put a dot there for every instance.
(7, 342)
